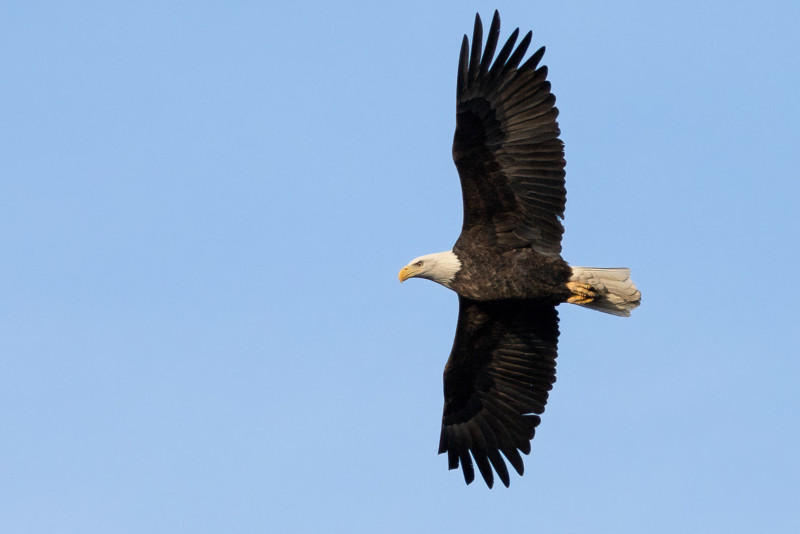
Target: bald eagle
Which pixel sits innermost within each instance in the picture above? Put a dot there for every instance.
(506, 265)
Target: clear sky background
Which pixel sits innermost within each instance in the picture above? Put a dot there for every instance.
(203, 209)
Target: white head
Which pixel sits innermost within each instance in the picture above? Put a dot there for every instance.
(440, 267)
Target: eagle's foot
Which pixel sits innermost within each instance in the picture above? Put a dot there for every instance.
(581, 293)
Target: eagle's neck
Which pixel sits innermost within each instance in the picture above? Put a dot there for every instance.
(443, 268)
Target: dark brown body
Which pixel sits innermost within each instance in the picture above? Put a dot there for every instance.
(516, 274)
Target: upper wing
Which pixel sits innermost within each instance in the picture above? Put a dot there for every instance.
(506, 146)
(497, 379)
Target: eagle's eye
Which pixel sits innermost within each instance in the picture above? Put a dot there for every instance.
(418, 264)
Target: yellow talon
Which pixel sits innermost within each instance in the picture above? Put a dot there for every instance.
(581, 293)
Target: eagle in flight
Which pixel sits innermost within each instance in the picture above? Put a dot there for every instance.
(506, 265)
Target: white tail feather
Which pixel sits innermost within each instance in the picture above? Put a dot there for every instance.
(616, 292)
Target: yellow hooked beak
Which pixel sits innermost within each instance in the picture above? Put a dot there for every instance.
(405, 273)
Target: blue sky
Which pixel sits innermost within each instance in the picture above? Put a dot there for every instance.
(203, 208)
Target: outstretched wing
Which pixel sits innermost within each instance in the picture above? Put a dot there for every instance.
(496, 384)
(506, 146)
